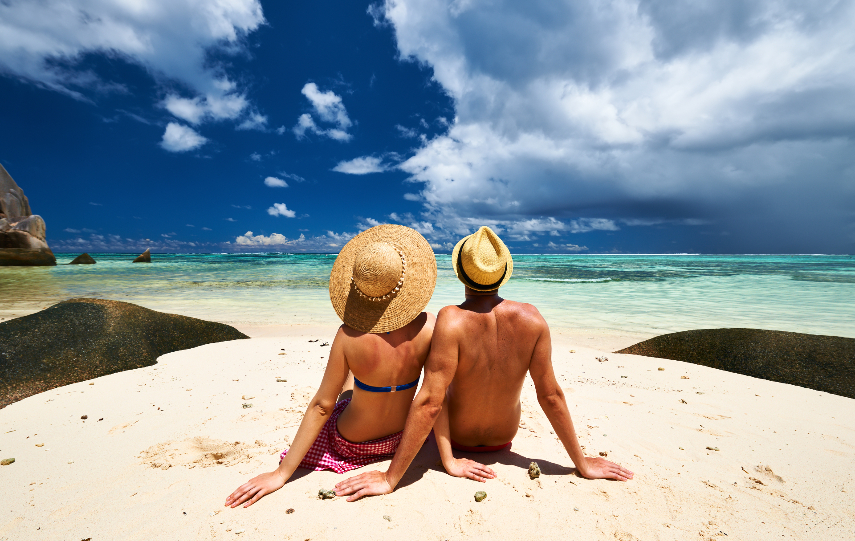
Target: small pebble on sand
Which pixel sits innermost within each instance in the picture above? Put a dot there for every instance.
(603, 453)
(533, 470)
(387, 518)
(84, 417)
(40, 445)
(661, 369)
(712, 448)
(326, 494)
(289, 511)
(245, 406)
(684, 377)
(7, 461)
(480, 496)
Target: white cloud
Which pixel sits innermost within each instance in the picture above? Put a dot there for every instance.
(279, 209)
(583, 225)
(43, 42)
(635, 108)
(70, 230)
(406, 132)
(329, 107)
(180, 138)
(567, 247)
(360, 166)
(274, 239)
(255, 156)
(274, 182)
(254, 121)
(230, 220)
(412, 197)
(292, 176)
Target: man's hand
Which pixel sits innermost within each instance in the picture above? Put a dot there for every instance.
(600, 468)
(463, 467)
(372, 483)
(256, 488)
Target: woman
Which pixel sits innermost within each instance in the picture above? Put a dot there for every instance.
(380, 283)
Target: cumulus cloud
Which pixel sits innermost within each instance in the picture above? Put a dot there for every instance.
(45, 39)
(279, 209)
(274, 239)
(180, 138)
(639, 110)
(46, 42)
(330, 109)
(274, 182)
(361, 166)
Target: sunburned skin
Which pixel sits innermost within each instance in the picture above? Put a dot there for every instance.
(378, 360)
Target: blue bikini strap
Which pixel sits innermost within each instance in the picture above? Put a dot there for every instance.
(373, 389)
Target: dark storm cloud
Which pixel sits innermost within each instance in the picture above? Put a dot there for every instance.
(734, 119)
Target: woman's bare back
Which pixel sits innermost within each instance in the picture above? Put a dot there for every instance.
(383, 360)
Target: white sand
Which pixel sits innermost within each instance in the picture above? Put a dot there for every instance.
(163, 459)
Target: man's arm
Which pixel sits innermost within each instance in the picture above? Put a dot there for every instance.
(440, 367)
(550, 396)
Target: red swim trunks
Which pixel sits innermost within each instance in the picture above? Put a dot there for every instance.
(332, 452)
(479, 448)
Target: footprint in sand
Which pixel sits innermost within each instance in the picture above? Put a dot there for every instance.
(767, 472)
(200, 451)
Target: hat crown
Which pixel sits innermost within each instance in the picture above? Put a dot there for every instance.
(482, 257)
(377, 269)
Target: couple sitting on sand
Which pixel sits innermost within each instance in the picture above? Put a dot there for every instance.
(475, 357)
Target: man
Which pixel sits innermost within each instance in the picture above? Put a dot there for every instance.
(480, 354)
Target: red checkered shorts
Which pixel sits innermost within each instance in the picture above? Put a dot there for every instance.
(332, 452)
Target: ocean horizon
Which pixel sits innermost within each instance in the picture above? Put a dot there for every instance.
(647, 294)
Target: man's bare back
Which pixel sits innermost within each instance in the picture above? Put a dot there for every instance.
(495, 339)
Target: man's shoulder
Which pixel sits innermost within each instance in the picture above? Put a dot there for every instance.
(522, 309)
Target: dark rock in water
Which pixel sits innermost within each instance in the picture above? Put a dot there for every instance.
(24, 257)
(326, 494)
(822, 363)
(22, 234)
(81, 339)
(480, 496)
(144, 257)
(83, 259)
(533, 470)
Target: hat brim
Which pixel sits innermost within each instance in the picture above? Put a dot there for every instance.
(369, 316)
(455, 262)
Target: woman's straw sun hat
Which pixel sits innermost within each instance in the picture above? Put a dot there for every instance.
(482, 261)
(383, 278)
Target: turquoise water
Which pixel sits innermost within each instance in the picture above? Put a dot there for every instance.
(644, 294)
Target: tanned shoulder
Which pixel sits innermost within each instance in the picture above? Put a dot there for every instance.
(526, 314)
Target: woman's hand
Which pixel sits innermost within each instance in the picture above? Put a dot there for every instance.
(600, 468)
(463, 467)
(256, 488)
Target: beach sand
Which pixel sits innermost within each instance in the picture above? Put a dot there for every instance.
(163, 446)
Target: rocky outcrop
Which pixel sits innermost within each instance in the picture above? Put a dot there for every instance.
(22, 234)
(83, 259)
(144, 257)
(823, 363)
(81, 339)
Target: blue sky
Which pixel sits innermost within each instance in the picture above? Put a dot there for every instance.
(568, 127)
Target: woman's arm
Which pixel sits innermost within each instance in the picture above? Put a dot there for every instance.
(458, 467)
(319, 410)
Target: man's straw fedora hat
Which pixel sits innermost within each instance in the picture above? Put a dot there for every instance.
(482, 261)
(383, 278)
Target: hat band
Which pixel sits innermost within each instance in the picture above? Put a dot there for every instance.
(394, 291)
(472, 283)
